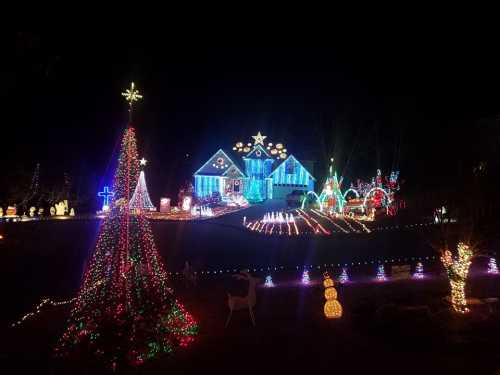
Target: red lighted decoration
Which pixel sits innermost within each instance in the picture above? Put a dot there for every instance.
(125, 312)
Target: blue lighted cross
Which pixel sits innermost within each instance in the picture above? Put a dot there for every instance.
(106, 195)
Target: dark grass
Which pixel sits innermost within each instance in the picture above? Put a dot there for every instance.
(385, 328)
(394, 327)
(47, 258)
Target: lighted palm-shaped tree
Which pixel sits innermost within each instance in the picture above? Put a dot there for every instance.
(457, 270)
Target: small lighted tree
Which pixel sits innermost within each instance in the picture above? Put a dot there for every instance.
(344, 277)
(457, 270)
(140, 199)
(305, 277)
(381, 273)
(269, 282)
(254, 191)
(419, 271)
(492, 266)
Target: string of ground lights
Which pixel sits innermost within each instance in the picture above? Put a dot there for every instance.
(299, 222)
(303, 276)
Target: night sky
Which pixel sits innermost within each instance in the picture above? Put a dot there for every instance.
(415, 106)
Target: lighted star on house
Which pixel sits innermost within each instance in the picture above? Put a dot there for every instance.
(259, 139)
(143, 161)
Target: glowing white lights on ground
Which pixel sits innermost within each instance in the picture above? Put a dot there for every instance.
(310, 221)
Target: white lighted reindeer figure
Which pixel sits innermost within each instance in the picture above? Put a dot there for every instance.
(240, 303)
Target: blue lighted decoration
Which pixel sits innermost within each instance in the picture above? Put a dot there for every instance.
(265, 171)
(106, 195)
(291, 173)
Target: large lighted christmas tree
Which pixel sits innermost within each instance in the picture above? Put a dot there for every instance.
(125, 312)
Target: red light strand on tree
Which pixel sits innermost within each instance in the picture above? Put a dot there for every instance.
(125, 312)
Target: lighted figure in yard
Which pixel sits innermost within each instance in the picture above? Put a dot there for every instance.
(331, 197)
(457, 270)
(492, 266)
(125, 312)
(1, 211)
(185, 196)
(419, 271)
(378, 193)
(269, 282)
(242, 303)
(164, 205)
(332, 308)
(60, 209)
(186, 203)
(381, 273)
(305, 277)
(344, 277)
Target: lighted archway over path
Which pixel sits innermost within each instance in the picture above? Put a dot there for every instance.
(374, 189)
(353, 190)
(317, 200)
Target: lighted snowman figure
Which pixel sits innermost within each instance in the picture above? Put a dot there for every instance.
(32, 211)
(332, 308)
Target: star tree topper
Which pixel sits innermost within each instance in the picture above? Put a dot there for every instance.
(131, 95)
(259, 139)
(143, 161)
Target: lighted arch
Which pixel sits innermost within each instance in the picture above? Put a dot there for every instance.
(317, 200)
(353, 190)
(322, 197)
(372, 190)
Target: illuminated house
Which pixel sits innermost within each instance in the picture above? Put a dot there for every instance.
(265, 172)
